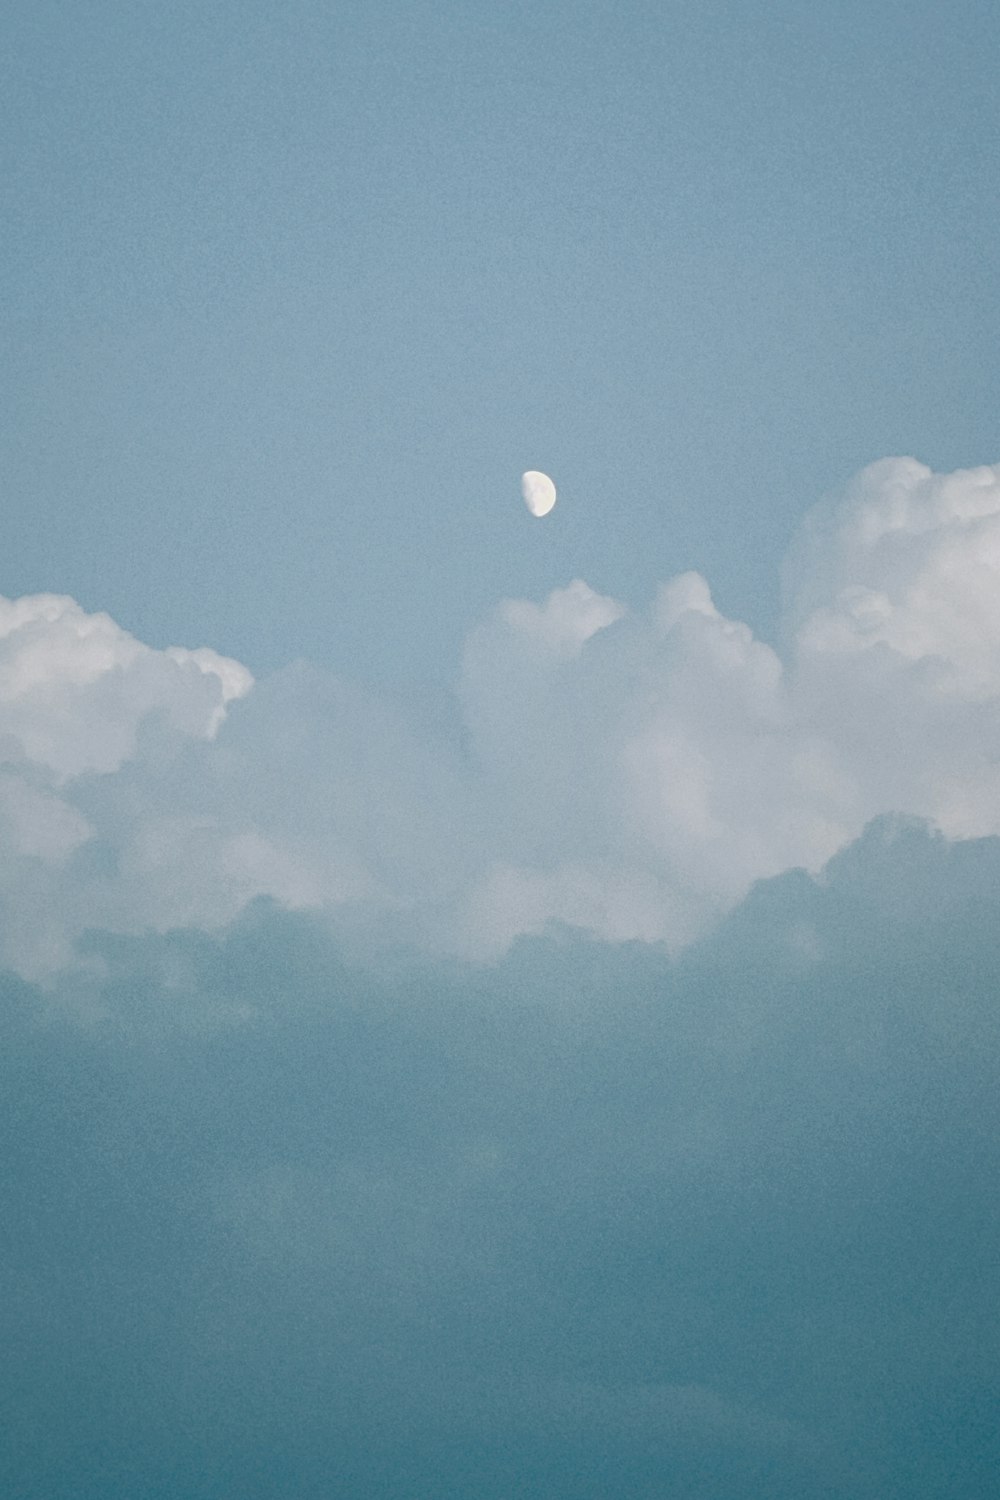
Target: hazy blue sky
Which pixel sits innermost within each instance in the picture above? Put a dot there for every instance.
(496, 1008)
(294, 293)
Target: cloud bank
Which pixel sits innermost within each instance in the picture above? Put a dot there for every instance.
(689, 1190)
(627, 773)
(587, 1221)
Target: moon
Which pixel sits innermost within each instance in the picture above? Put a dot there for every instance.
(539, 492)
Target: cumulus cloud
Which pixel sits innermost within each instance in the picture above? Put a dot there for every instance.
(74, 687)
(77, 695)
(628, 772)
(678, 758)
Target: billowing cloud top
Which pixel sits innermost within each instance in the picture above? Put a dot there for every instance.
(628, 774)
(74, 687)
(286, 1216)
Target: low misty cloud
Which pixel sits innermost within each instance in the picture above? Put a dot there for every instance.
(588, 1220)
(627, 773)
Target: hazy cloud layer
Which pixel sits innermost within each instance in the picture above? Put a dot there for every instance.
(627, 773)
(302, 1199)
(587, 1222)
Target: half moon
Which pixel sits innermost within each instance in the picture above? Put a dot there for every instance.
(539, 492)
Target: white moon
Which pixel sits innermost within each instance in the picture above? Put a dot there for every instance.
(539, 492)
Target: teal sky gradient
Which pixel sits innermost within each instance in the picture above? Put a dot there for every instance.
(293, 294)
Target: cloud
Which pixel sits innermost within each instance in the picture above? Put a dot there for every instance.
(630, 773)
(907, 560)
(74, 687)
(653, 767)
(893, 612)
(81, 698)
(589, 1220)
(690, 1189)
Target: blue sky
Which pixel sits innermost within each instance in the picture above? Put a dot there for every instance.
(495, 1006)
(293, 294)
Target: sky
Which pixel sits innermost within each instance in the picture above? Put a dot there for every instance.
(294, 293)
(493, 1005)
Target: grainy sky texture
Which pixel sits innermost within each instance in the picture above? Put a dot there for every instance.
(491, 1006)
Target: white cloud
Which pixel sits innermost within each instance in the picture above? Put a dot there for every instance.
(905, 559)
(74, 687)
(629, 773)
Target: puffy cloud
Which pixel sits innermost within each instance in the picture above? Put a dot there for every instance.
(74, 687)
(629, 773)
(596, 1218)
(679, 755)
(908, 560)
(78, 697)
(893, 617)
